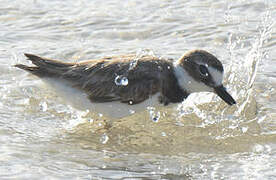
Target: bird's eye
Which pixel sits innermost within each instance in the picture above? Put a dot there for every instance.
(203, 70)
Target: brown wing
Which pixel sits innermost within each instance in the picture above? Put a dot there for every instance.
(103, 80)
(100, 79)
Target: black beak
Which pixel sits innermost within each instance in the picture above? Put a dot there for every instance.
(223, 94)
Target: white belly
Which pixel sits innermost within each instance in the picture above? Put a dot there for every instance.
(79, 100)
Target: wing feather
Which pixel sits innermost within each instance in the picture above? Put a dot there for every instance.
(144, 80)
(97, 77)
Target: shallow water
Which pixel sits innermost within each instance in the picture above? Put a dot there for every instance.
(42, 137)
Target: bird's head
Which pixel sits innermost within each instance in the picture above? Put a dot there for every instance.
(199, 71)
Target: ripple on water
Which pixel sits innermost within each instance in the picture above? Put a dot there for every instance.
(203, 137)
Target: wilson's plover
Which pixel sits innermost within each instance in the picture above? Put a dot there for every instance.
(135, 81)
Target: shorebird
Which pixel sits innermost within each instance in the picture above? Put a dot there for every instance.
(119, 85)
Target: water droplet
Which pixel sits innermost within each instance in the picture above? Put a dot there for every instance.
(133, 63)
(244, 129)
(155, 116)
(43, 106)
(131, 111)
(121, 80)
(130, 102)
(104, 139)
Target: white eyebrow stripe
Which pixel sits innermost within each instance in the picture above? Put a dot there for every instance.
(216, 75)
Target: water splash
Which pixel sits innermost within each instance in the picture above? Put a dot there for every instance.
(133, 63)
(122, 80)
(139, 54)
(253, 59)
(256, 54)
(76, 117)
(234, 120)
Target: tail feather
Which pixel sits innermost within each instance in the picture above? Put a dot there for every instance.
(43, 62)
(27, 68)
(44, 67)
(33, 69)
